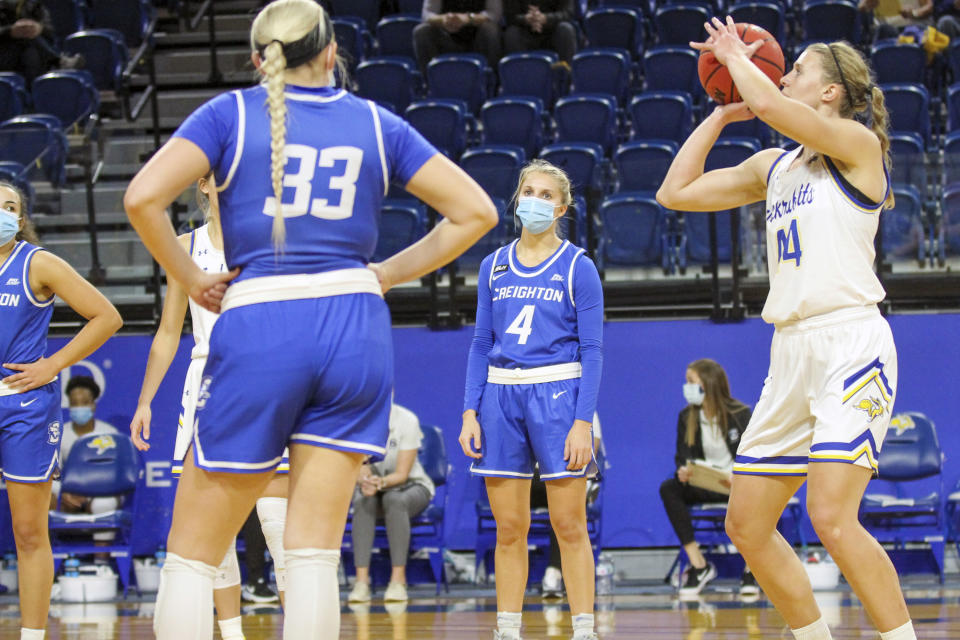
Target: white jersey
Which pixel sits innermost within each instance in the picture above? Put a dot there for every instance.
(210, 259)
(820, 233)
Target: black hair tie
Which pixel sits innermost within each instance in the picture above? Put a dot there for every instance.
(306, 48)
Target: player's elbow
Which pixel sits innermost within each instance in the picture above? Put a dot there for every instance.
(667, 196)
(113, 319)
(487, 215)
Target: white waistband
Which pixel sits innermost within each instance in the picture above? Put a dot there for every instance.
(10, 391)
(550, 373)
(301, 286)
(839, 316)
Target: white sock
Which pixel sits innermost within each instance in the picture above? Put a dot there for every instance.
(273, 519)
(814, 631)
(184, 607)
(231, 629)
(582, 625)
(508, 624)
(31, 634)
(903, 632)
(312, 608)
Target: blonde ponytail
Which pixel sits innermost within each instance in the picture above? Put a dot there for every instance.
(273, 68)
(880, 121)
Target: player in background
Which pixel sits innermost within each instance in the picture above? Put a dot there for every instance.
(832, 351)
(30, 418)
(301, 354)
(533, 375)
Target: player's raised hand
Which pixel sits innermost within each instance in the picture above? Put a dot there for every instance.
(208, 289)
(578, 447)
(724, 41)
(470, 435)
(140, 427)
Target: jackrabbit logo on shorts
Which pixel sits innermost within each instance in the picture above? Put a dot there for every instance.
(204, 394)
(53, 432)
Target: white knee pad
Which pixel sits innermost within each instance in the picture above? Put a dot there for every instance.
(273, 519)
(228, 573)
(185, 600)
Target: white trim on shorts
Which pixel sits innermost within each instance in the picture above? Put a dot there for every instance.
(35, 479)
(301, 286)
(350, 445)
(248, 467)
(497, 474)
(535, 375)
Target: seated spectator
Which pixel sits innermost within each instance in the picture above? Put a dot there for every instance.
(458, 26)
(82, 393)
(890, 26)
(26, 37)
(540, 24)
(552, 585)
(396, 488)
(947, 14)
(709, 430)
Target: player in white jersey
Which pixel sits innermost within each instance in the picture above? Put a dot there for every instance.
(827, 400)
(30, 426)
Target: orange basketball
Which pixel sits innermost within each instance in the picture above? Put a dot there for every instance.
(715, 77)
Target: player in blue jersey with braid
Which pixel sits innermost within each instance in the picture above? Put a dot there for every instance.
(301, 354)
(30, 426)
(533, 375)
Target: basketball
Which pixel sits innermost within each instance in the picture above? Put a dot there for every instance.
(715, 77)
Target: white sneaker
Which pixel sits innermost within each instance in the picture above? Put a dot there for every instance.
(396, 592)
(552, 585)
(504, 636)
(360, 592)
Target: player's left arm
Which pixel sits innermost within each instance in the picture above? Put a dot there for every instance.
(49, 276)
(588, 297)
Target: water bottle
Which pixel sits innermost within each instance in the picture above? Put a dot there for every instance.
(605, 571)
(160, 556)
(10, 561)
(71, 567)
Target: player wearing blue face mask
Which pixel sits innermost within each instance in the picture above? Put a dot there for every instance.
(533, 375)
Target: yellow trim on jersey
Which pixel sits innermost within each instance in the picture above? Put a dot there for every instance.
(872, 378)
(843, 192)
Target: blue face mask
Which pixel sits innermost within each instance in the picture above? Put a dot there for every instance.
(535, 214)
(9, 226)
(81, 415)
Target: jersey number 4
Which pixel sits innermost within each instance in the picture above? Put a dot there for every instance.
(522, 325)
(302, 182)
(788, 243)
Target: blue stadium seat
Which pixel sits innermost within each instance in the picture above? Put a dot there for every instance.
(641, 165)
(17, 174)
(729, 152)
(105, 53)
(903, 236)
(401, 224)
(72, 96)
(893, 62)
(459, 76)
(576, 222)
(68, 16)
(953, 60)
(132, 18)
(909, 107)
(830, 20)
(100, 465)
(754, 128)
(395, 35)
(661, 114)
(442, 122)
(513, 120)
(953, 107)
(36, 138)
(353, 40)
(13, 95)
(390, 82)
(769, 15)
(679, 24)
(582, 161)
(366, 10)
(587, 118)
(949, 231)
(633, 232)
(530, 73)
(616, 27)
(671, 69)
(495, 168)
(504, 232)
(411, 7)
(905, 503)
(602, 71)
(909, 168)
(951, 157)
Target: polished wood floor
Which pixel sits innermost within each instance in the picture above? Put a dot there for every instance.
(653, 616)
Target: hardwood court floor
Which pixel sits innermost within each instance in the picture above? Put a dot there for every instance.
(716, 616)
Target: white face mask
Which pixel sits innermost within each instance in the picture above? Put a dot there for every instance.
(693, 393)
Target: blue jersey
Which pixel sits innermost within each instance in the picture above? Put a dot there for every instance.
(24, 320)
(341, 154)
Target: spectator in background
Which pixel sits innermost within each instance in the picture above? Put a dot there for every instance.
(396, 488)
(540, 24)
(26, 40)
(458, 26)
(890, 26)
(947, 13)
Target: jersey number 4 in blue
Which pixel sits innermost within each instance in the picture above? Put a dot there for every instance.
(308, 160)
(788, 243)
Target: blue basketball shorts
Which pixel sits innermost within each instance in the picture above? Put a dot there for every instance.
(526, 424)
(30, 430)
(315, 371)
